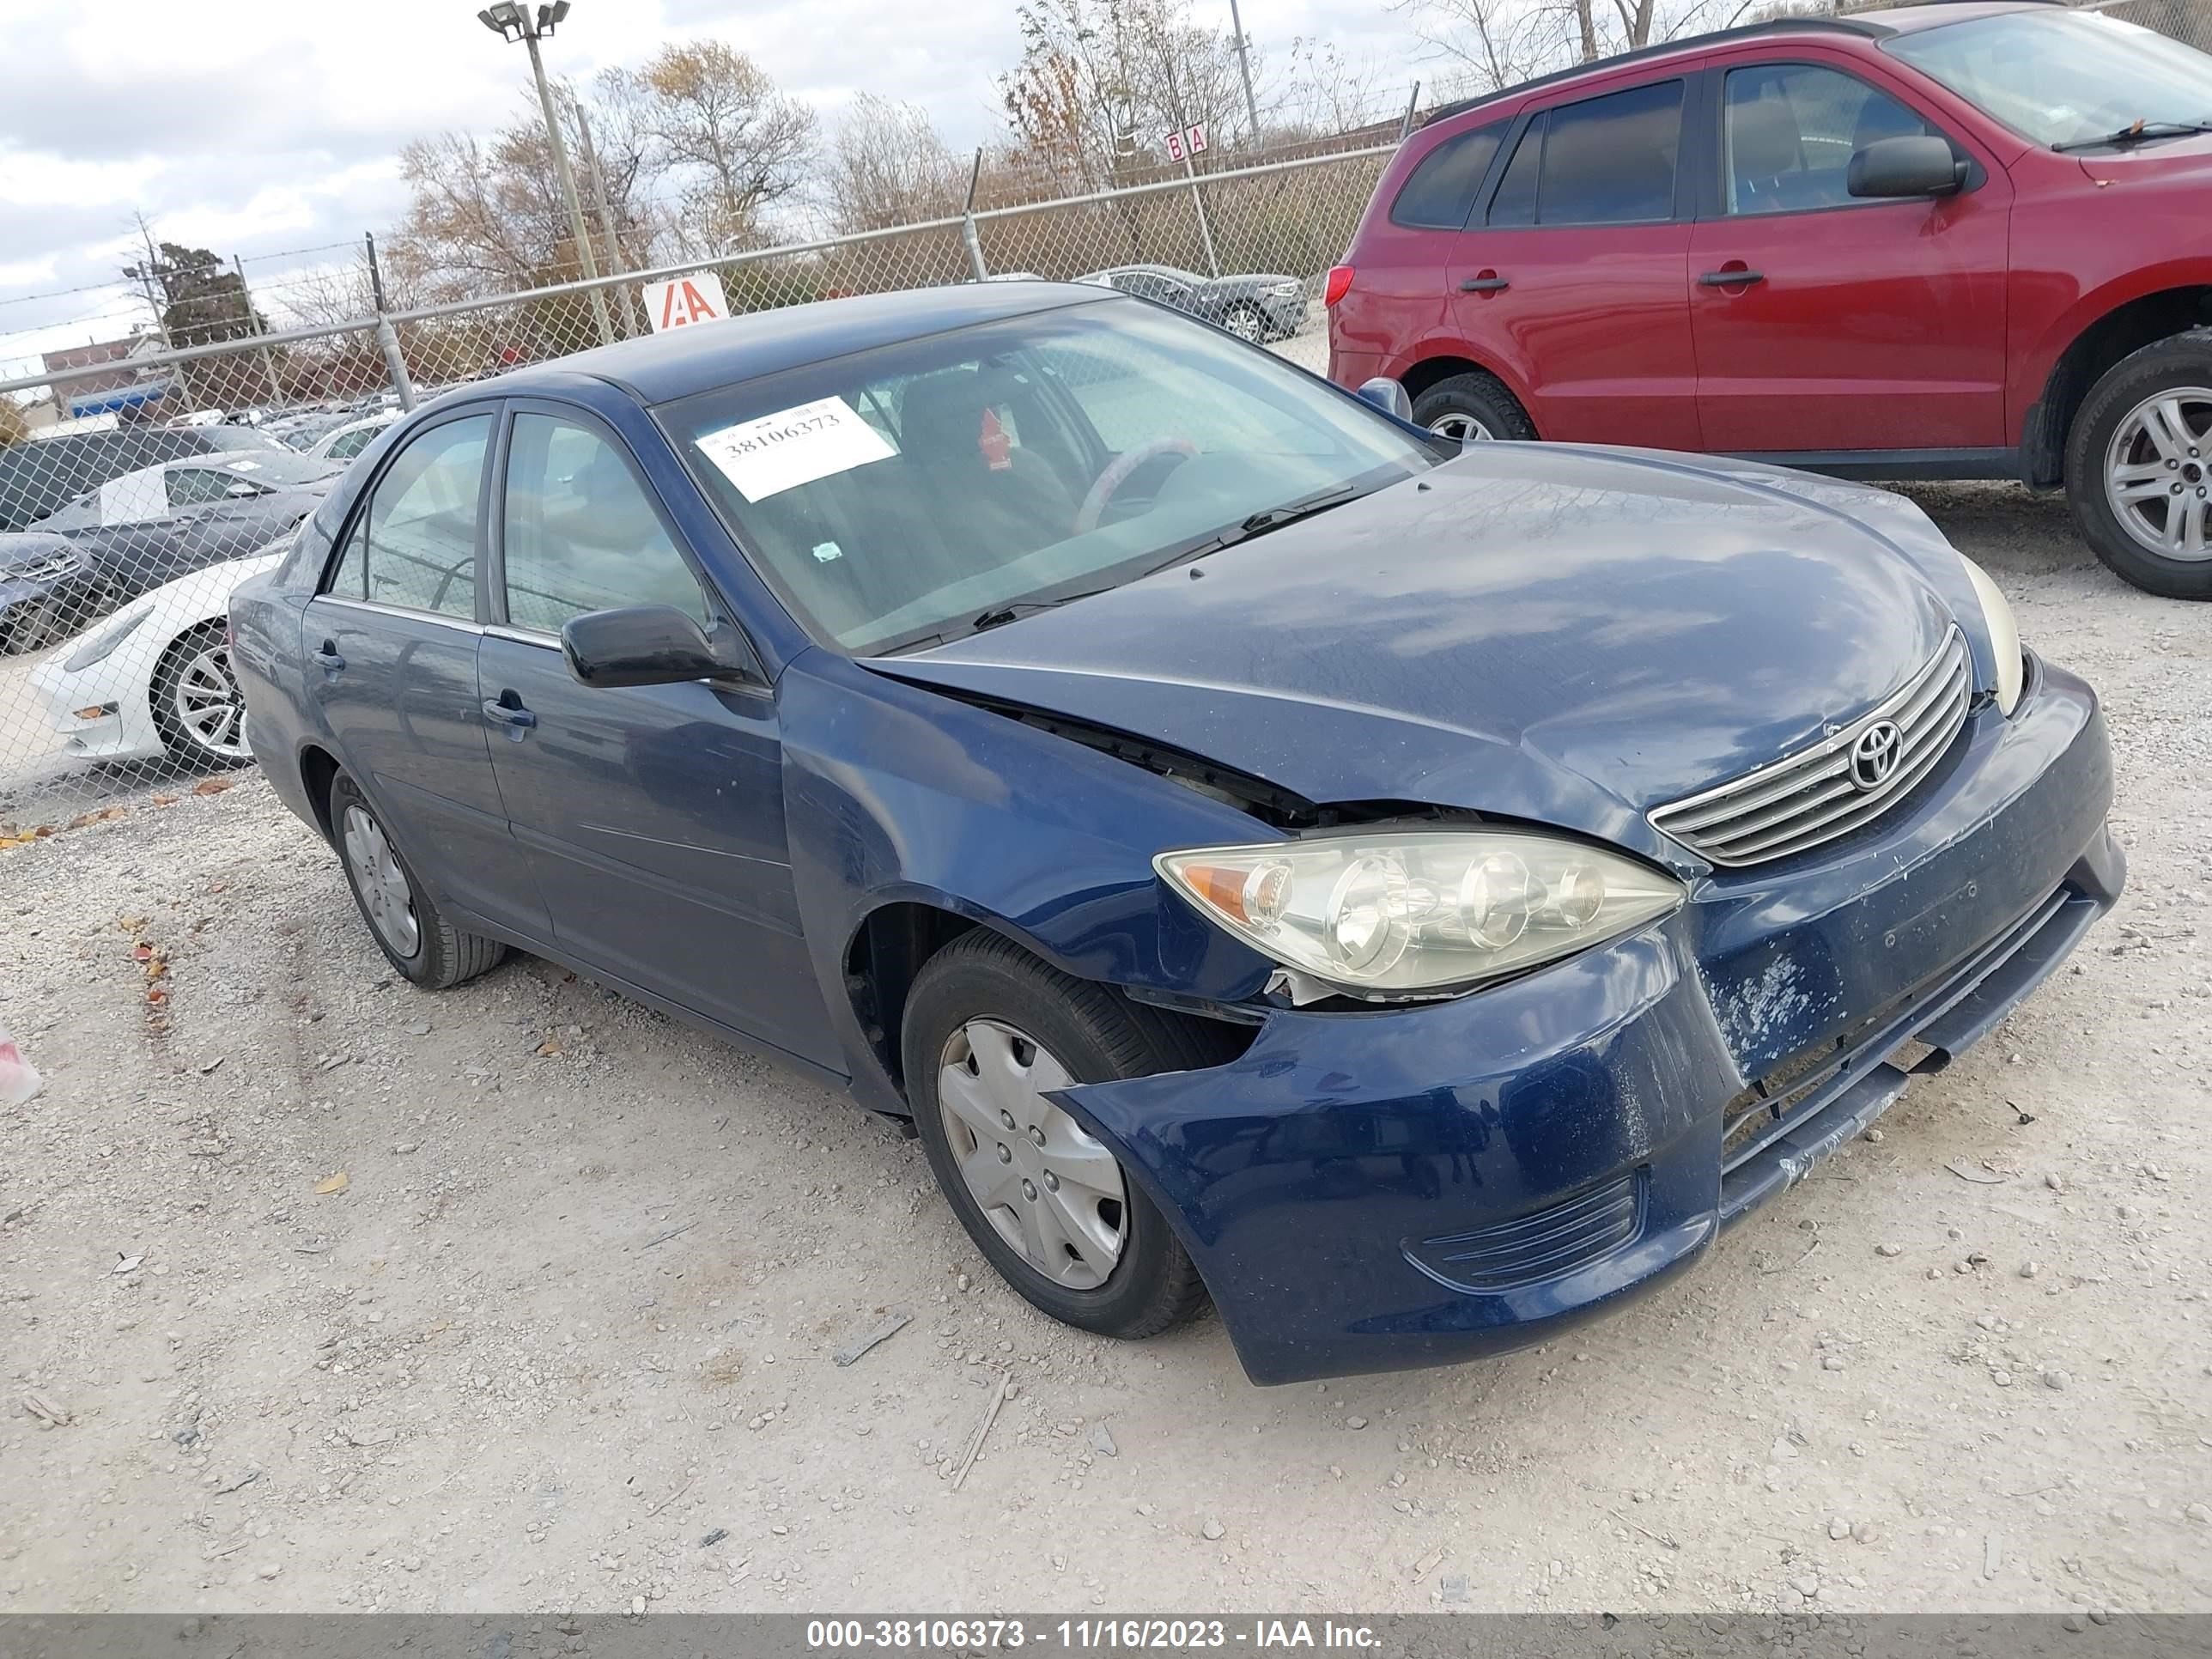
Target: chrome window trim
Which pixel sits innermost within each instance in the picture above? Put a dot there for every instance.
(467, 625)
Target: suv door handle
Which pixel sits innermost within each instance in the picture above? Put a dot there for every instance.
(328, 656)
(506, 709)
(1489, 285)
(1730, 278)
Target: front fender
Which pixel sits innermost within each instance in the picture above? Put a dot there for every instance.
(895, 794)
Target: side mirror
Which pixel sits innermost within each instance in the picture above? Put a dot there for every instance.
(1390, 395)
(650, 645)
(1916, 166)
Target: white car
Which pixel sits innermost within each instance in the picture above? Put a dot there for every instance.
(154, 679)
(342, 443)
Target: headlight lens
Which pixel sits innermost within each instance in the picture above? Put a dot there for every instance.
(1377, 914)
(2004, 635)
(102, 645)
(1284, 290)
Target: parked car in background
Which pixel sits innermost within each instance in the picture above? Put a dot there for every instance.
(48, 590)
(155, 680)
(1416, 896)
(1935, 241)
(1255, 307)
(150, 527)
(344, 442)
(40, 474)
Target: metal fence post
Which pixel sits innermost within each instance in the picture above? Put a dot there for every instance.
(253, 327)
(1412, 100)
(975, 243)
(387, 336)
(1198, 202)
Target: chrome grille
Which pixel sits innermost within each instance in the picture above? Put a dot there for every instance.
(1821, 793)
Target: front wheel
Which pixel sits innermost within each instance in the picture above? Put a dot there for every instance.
(990, 1032)
(2139, 467)
(1246, 322)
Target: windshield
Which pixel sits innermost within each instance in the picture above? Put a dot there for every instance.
(279, 469)
(906, 495)
(2063, 77)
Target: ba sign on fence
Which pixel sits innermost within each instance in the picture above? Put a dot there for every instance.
(694, 297)
(1191, 141)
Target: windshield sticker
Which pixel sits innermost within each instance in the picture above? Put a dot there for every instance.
(793, 447)
(825, 552)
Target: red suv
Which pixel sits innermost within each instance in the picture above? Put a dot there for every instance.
(1949, 240)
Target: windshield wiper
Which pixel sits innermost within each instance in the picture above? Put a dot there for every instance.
(1000, 616)
(1259, 523)
(2137, 133)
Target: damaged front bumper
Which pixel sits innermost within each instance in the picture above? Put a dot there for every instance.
(1372, 1191)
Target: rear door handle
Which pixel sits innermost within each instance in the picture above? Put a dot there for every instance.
(1730, 278)
(328, 656)
(1483, 284)
(506, 709)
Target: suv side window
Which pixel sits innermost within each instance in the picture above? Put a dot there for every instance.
(1440, 194)
(579, 532)
(415, 545)
(1789, 131)
(1612, 160)
(1514, 201)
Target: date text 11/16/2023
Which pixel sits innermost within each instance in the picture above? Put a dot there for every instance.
(1086, 1635)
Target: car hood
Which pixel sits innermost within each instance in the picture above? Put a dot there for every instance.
(1570, 634)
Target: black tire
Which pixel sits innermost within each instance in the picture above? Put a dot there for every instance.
(1247, 322)
(1097, 1035)
(443, 956)
(1477, 396)
(36, 626)
(184, 743)
(2180, 360)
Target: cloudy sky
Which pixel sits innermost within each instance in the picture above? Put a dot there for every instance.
(258, 127)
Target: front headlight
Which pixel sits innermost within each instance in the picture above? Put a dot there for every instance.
(2004, 635)
(1376, 914)
(1284, 290)
(102, 645)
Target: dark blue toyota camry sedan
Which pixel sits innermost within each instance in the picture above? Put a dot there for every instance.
(1412, 898)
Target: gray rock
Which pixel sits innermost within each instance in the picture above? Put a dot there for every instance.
(1212, 1531)
(1101, 1441)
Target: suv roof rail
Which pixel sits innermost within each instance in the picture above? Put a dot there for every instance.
(1858, 23)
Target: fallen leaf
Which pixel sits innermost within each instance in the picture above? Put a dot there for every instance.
(131, 924)
(157, 996)
(211, 786)
(331, 1183)
(551, 1049)
(142, 952)
(42, 832)
(165, 800)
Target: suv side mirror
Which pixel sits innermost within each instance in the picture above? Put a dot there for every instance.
(651, 645)
(1390, 395)
(1915, 166)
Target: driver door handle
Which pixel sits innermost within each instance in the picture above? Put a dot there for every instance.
(328, 658)
(1730, 278)
(506, 709)
(1483, 284)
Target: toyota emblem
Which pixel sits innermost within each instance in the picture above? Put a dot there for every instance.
(1875, 755)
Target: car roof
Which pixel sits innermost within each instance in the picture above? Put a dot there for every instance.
(1867, 25)
(657, 369)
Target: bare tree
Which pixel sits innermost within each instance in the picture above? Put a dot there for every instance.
(888, 166)
(732, 138)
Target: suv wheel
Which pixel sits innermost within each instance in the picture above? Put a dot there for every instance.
(1475, 406)
(2139, 467)
(990, 1032)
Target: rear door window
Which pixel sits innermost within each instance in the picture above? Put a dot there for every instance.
(1612, 160)
(415, 545)
(1440, 194)
(1515, 203)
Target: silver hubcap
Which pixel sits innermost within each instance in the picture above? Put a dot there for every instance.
(2158, 473)
(1244, 325)
(1048, 1189)
(1461, 427)
(209, 706)
(381, 884)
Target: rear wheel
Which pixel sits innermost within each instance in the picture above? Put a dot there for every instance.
(2139, 467)
(406, 923)
(1472, 407)
(1246, 322)
(989, 1033)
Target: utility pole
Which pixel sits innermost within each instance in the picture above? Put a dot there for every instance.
(599, 196)
(511, 21)
(1244, 62)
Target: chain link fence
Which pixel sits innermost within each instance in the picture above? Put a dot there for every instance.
(141, 481)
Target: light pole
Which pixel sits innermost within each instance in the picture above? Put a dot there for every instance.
(511, 21)
(1244, 62)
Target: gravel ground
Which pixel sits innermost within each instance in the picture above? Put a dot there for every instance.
(562, 1340)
